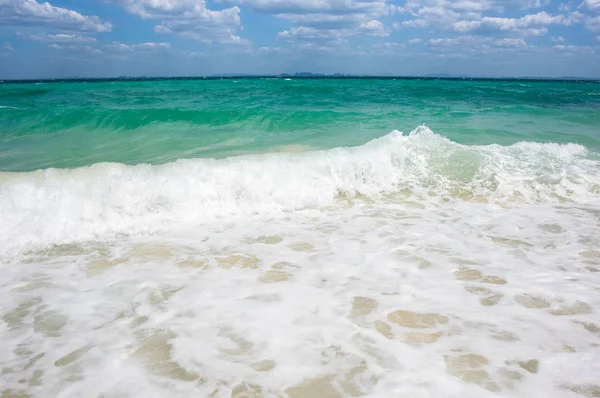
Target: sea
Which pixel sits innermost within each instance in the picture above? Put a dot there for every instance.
(300, 238)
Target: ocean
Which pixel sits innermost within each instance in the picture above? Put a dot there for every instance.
(302, 238)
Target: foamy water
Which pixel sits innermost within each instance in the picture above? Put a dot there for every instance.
(411, 266)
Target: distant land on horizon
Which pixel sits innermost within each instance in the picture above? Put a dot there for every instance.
(430, 75)
(303, 75)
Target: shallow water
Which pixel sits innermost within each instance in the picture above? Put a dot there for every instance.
(75, 124)
(460, 299)
(410, 266)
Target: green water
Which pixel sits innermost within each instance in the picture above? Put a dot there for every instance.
(71, 124)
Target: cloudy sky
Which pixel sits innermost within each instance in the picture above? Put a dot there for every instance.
(110, 38)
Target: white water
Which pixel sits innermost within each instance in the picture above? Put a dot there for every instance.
(409, 267)
(65, 205)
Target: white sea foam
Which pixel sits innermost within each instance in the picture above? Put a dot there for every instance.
(410, 266)
(56, 206)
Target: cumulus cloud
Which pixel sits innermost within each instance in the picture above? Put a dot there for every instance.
(468, 17)
(117, 51)
(315, 23)
(190, 19)
(75, 49)
(573, 49)
(117, 46)
(333, 47)
(206, 33)
(593, 24)
(388, 48)
(528, 25)
(340, 13)
(464, 45)
(272, 50)
(373, 28)
(389, 45)
(329, 23)
(589, 12)
(310, 33)
(57, 38)
(306, 38)
(471, 6)
(322, 36)
(592, 5)
(31, 13)
(415, 23)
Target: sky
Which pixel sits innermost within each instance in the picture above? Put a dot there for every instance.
(110, 38)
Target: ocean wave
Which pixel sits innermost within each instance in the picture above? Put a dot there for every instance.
(62, 205)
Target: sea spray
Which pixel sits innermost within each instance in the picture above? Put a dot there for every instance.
(63, 205)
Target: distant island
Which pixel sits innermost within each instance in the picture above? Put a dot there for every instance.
(427, 76)
(300, 75)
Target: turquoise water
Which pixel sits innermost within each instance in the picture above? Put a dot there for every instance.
(310, 238)
(81, 123)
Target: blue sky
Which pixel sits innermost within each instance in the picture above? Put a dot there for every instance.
(107, 38)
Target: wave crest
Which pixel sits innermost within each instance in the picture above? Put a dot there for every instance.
(58, 205)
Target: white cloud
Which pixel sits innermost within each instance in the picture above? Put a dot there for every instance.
(75, 49)
(517, 26)
(177, 10)
(272, 50)
(388, 48)
(190, 19)
(414, 41)
(542, 18)
(114, 50)
(117, 46)
(472, 6)
(309, 33)
(323, 36)
(189, 54)
(587, 12)
(483, 17)
(57, 38)
(8, 47)
(321, 21)
(25, 13)
(334, 47)
(340, 12)
(235, 40)
(576, 17)
(373, 28)
(558, 39)
(326, 21)
(572, 49)
(306, 38)
(476, 44)
(592, 5)
(415, 23)
(195, 54)
(564, 7)
(593, 24)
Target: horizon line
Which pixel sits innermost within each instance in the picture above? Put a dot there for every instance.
(301, 75)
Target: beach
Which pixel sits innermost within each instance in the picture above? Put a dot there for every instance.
(270, 237)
